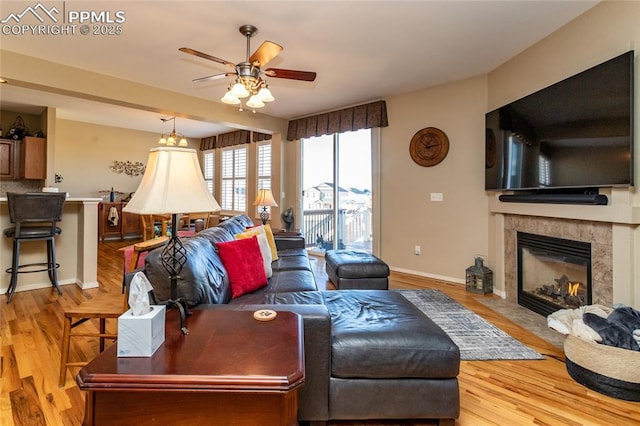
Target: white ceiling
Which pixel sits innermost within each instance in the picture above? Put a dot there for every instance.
(361, 50)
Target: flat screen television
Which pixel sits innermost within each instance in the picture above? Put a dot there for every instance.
(574, 135)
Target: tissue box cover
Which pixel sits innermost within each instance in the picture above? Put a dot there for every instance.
(142, 335)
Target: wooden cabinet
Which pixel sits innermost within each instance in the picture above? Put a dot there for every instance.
(131, 225)
(114, 223)
(23, 159)
(9, 155)
(33, 158)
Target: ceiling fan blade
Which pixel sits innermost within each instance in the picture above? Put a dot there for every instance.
(214, 76)
(206, 56)
(290, 74)
(266, 52)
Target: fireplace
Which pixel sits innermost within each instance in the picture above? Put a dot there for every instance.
(553, 273)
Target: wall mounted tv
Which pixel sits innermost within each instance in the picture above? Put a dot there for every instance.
(573, 136)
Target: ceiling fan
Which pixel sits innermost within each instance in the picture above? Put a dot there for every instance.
(249, 74)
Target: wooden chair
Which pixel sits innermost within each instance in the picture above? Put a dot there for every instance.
(148, 223)
(133, 254)
(147, 226)
(210, 219)
(103, 307)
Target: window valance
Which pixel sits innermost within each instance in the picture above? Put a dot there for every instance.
(259, 137)
(207, 143)
(359, 117)
(237, 137)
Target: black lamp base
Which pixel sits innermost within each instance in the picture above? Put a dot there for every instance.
(264, 215)
(181, 305)
(173, 257)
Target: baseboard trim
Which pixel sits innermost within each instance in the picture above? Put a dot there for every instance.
(500, 293)
(428, 275)
(37, 286)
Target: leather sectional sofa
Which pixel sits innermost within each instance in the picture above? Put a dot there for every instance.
(369, 354)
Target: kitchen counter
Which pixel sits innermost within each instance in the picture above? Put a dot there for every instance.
(76, 248)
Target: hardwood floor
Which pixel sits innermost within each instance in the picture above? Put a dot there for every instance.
(491, 392)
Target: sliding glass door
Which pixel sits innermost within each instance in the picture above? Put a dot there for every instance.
(337, 191)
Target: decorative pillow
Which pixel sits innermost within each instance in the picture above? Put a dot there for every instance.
(243, 261)
(270, 239)
(251, 232)
(272, 242)
(265, 250)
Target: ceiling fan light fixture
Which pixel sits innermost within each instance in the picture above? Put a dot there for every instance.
(250, 73)
(254, 102)
(230, 99)
(239, 91)
(264, 94)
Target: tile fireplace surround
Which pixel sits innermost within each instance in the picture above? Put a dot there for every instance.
(612, 231)
(596, 233)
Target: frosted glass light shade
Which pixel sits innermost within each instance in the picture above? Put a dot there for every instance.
(172, 183)
(254, 102)
(265, 95)
(228, 98)
(239, 91)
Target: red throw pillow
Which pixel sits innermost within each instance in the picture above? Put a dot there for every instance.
(243, 261)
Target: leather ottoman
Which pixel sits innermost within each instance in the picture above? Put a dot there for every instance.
(387, 359)
(356, 270)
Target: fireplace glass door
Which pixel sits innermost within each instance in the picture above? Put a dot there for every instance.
(553, 273)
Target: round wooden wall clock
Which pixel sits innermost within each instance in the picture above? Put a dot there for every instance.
(429, 147)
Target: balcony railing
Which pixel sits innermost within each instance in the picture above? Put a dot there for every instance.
(354, 227)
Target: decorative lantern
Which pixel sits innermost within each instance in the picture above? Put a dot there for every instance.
(479, 278)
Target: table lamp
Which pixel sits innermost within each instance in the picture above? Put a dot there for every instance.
(173, 183)
(264, 199)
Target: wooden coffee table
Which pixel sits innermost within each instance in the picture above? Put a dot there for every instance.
(230, 369)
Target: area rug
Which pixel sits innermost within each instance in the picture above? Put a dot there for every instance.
(477, 339)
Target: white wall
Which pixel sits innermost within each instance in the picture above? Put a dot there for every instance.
(603, 32)
(452, 232)
(84, 152)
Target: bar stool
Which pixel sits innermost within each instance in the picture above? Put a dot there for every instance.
(103, 307)
(35, 216)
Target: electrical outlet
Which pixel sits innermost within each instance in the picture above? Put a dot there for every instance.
(417, 250)
(436, 196)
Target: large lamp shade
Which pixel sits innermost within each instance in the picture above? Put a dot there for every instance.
(265, 198)
(172, 183)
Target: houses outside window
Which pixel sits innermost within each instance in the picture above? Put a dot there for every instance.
(337, 191)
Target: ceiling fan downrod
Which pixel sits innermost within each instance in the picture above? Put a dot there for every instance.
(248, 31)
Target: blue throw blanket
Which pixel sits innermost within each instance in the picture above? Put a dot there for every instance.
(617, 329)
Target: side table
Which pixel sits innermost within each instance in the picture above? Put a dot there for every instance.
(230, 369)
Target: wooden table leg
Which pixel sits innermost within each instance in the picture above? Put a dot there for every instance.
(64, 353)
